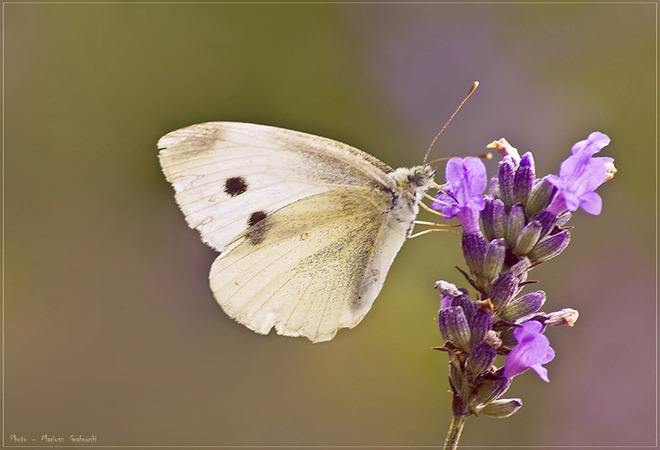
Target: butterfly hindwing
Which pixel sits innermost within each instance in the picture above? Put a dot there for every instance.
(225, 172)
(311, 267)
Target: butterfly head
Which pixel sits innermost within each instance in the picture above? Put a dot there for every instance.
(413, 182)
(421, 177)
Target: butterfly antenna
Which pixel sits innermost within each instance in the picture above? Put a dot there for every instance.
(487, 155)
(474, 87)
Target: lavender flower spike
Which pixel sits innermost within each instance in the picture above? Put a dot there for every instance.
(463, 197)
(579, 176)
(532, 351)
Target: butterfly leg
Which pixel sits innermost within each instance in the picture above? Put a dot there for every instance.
(423, 205)
(430, 230)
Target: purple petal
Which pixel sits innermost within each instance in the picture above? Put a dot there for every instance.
(580, 175)
(531, 352)
(454, 172)
(477, 175)
(463, 197)
(542, 372)
(583, 173)
(592, 145)
(445, 301)
(591, 203)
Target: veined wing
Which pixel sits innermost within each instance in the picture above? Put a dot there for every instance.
(227, 175)
(311, 267)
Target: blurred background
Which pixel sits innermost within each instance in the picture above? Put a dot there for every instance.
(110, 328)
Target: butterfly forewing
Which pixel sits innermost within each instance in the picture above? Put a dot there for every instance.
(227, 174)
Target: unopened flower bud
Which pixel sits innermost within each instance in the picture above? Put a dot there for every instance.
(566, 316)
(493, 218)
(505, 178)
(492, 386)
(458, 327)
(524, 179)
(443, 323)
(494, 259)
(547, 220)
(464, 301)
(481, 322)
(501, 408)
(481, 358)
(563, 217)
(528, 238)
(474, 250)
(540, 197)
(520, 268)
(504, 289)
(515, 224)
(522, 307)
(549, 247)
(493, 187)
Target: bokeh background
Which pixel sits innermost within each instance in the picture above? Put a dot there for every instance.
(110, 329)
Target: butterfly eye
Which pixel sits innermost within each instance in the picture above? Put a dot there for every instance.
(420, 178)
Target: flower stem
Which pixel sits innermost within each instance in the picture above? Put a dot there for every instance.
(454, 433)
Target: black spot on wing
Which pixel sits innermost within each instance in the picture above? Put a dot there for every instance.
(256, 217)
(258, 225)
(235, 186)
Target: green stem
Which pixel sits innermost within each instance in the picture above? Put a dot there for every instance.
(454, 433)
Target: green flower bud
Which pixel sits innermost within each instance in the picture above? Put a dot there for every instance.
(528, 238)
(502, 408)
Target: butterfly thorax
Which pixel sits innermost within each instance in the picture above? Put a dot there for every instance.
(411, 183)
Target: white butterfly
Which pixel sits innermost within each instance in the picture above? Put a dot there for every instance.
(307, 227)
